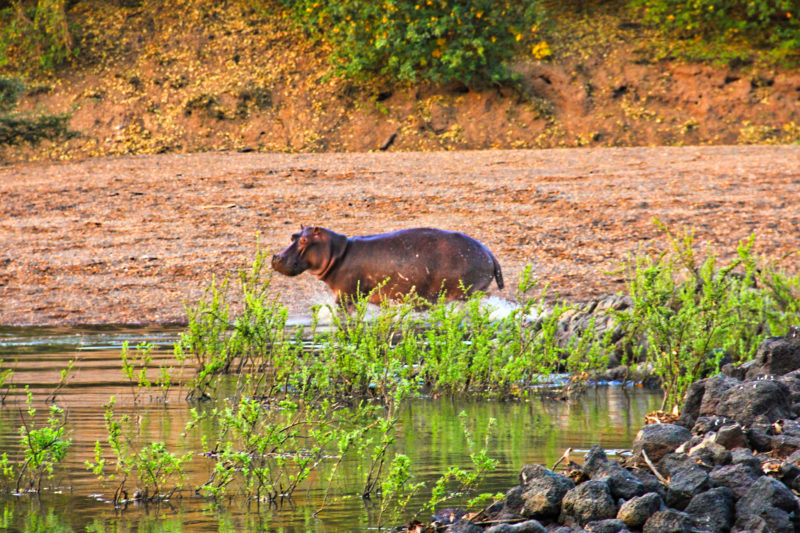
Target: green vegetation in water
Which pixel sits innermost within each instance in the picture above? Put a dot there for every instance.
(692, 313)
(156, 472)
(43, 447)
(450, 348)
(134, 367)
(5, 382)
(272, 404)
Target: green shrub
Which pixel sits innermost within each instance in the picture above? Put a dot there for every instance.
(774, 23)
(690, 314)
(10, 91)
(18, 128)
(44, 447)
(35, 33)
(434, 40)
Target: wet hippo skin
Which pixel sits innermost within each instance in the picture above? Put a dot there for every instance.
(425, 261)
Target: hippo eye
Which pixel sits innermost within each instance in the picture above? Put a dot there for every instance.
(303, 241)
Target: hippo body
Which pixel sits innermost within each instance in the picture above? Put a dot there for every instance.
(424, 261)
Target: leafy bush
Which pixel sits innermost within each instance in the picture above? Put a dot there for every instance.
(18, 128)
(691, 314)
(44, 447)
(36, 33)
(765, 22)
(435, 40)
(10, 91)
(157, 472)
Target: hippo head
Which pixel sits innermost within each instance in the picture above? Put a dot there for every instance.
(311, 249)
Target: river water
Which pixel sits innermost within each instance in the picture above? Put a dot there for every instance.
(533, 431)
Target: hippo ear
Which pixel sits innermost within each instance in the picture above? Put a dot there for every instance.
(316, 230)
(302, 227)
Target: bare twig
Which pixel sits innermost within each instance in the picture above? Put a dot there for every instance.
(564, 456)
(664, 481)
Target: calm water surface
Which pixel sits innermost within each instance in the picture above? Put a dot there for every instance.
(535, 431)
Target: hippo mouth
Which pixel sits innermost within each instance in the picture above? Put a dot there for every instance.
(287, 268)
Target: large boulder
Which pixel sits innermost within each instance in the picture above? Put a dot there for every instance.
(773, 502)
(691, 403)
(715, 388)
(668, 521)
(777, 355)
(609, 525)
(685, 484)
(635, 512)
(748, 401)
(713, 510)
(529, 526)
(660, 439)
(738, 477)
(543, 491)
(588, 502)
(512, 507)
(731, 436)
(621, 482)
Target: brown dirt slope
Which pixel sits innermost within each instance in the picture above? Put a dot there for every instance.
(209, 75)
(128, 239)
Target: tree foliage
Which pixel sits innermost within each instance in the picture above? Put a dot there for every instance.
(440, 41)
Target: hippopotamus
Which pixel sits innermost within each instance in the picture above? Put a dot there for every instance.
(422, 261)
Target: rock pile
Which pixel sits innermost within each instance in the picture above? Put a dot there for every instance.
(730, 463)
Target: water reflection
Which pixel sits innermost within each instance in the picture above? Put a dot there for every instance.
(430, 433)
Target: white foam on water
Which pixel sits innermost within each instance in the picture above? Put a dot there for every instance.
(499, 308)
(502, 308)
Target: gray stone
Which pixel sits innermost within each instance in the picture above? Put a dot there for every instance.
(588, 502)
(622, 483)
(738, 477)
(710, 454)
(731, 436)
(529, 526)
(685, 484)
(735, 370)
(771, 501)
(715, 387)
(609, 525)
(660, 439)
(784, 445)
(758, 439)
(544, 490)
(767, 492)
(750, 524)
(777, 355)
(673, 462)
(767, 520)
(747, 402)
(650, 482)
(668, 521)
(691, 404)
(635, 512)
(464, 526)
(705, 424)
(713, 510)
(745, 456)
(514, 501)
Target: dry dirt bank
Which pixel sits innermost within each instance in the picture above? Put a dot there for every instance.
(127, 240)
